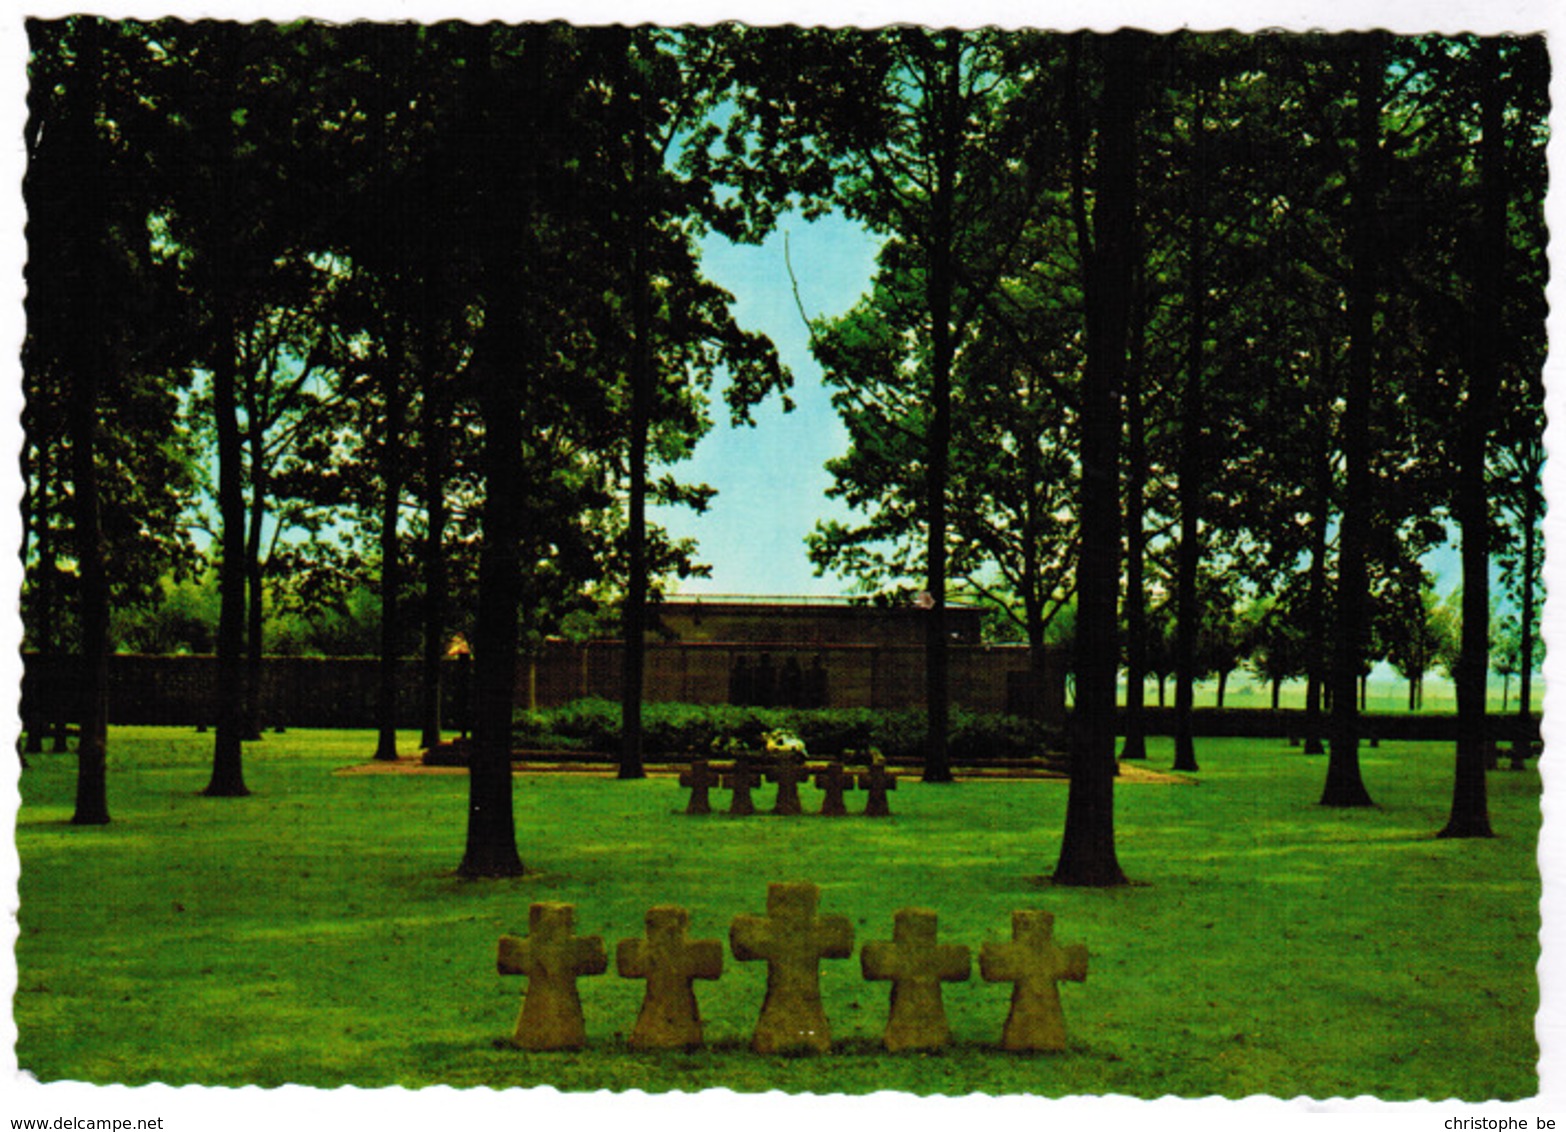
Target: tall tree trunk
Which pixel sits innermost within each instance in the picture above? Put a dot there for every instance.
(940, 281)
(393, 396)
(228, 779)
(92, 807)
(255, 642)
(491, 838)
(1321, 518)
(1087, 852)
(1135, 745)
(1193, 412)
(1344, 786)
(1530, 519)
(40, 703)
(1470, 816)
(634, 617)
(437, 407)
(87, 360)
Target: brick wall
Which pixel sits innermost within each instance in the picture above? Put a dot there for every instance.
(341, 692)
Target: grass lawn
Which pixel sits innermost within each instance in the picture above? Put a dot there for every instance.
(314, 933)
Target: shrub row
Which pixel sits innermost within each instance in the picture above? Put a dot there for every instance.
(682, 730)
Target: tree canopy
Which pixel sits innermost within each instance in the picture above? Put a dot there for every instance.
(1224, 331)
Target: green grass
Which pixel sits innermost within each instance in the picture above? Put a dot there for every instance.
(314, 933)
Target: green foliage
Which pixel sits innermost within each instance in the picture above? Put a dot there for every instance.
(672, 730)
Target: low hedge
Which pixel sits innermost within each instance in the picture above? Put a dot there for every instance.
(681, 730)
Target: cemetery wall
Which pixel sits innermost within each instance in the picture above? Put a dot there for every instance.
(341, 692)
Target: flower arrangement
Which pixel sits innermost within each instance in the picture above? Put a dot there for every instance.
(784, 744)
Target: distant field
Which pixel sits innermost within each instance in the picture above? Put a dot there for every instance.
(1383, 695)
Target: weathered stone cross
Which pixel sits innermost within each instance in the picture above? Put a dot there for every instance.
(698, 780)
(793, 940)
(552, 957)
(670, 962)
(788, 776)
(834, 780)
(877, 782)
(1033, 963)
(916, 966)
(742, 780)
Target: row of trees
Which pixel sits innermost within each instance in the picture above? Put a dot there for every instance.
(1258, 307)
(1329, 251)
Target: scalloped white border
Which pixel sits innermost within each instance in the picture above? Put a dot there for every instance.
(484, 1110)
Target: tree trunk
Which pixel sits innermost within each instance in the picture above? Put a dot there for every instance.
(92, 807)
(228, 778)
(1135, 745)
(1525, 613)
(40, 704)
(939, 284)
(391, 576)
(436, 410)
(634, 617)
(491, 838)
(86, 378)
(254, 634)
(1193, 412)
(1470, 816)
(86, 356)
(1087, 852)
(1344, 786)
(1321, 519)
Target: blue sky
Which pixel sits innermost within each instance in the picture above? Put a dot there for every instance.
(770, 479)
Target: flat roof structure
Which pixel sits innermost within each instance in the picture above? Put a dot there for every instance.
(801, 622)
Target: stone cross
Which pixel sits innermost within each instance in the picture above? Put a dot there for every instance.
(742, 780)
(916, 966)
(698, 780)
(1033, 963)
(834, 780)
(552, 957)
(878, 781)
(670, 962)
(788, 776)
(793, 940)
